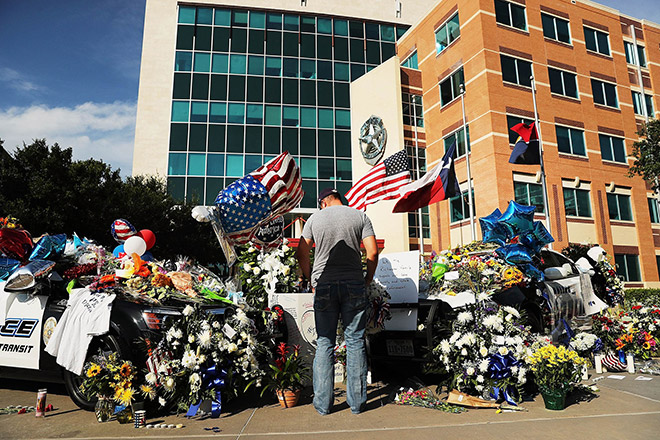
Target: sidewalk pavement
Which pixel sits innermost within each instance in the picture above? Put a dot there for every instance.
(624, 409)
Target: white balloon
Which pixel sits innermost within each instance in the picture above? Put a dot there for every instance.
(135, 245)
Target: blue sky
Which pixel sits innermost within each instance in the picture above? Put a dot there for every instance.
(69, 72)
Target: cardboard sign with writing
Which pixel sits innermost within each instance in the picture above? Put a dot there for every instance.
(399, 273)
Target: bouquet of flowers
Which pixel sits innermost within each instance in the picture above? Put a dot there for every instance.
(556, 368)
(586, 344)
(485, 352)
(425, 398)
(379, 307)
(204, 357)
(265, 272)
(288, 371)
(608, 328)
(109, 377)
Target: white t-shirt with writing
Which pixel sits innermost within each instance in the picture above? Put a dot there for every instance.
(87, 315)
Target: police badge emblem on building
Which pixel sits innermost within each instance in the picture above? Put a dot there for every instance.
(373, 138)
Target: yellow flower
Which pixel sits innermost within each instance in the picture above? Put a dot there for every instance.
(125, 370)
(125, 396)
(93, 370)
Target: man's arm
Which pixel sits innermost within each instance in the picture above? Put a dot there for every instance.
(372, 257)
(302, 254)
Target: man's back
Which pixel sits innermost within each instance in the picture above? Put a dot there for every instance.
(337, 232)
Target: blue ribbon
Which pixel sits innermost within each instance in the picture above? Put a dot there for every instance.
(500, 368)
(212, 379)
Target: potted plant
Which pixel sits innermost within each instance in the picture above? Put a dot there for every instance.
(556, 370)
(110, 380)
(287, 375)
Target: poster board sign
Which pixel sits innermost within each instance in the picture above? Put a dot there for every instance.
(402, 320)
(399, 273)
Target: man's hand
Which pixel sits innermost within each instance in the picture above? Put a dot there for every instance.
(372, 258)
(302, 254)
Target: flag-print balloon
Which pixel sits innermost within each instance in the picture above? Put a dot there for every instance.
(122, 229)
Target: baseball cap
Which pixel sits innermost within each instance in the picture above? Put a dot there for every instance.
(328, 192)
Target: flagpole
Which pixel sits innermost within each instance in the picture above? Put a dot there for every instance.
(543, 183)
(473, 230)
(419, 175)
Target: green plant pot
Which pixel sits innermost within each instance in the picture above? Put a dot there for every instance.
(554, 399)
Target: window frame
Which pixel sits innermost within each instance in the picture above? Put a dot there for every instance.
(408, 58)
(570, 140)
(446, 28)
(603, 84)
(516, 60)
(611, 142)
(529, 197)
(625, 276)
(618, 198)
(554, 23)
(465, 207)
(654, 212)
(450, 77)
(575, 192)
(562, 74)
(635, 54)
(509, 5)
(647, 103)
(598, 51)
(455, 133)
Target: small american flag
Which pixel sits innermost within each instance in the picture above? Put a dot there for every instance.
(381, 183)
(271, 190)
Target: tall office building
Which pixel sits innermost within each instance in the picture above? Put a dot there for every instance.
(227, 85)
(597, 72)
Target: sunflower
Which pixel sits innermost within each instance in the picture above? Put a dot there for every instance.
(93, 370)
(125, 396)
(125, 369)
(512, 276)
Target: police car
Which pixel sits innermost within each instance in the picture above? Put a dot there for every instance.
(30, 312)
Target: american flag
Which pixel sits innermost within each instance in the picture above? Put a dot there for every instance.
(271, 190)
(381, 183)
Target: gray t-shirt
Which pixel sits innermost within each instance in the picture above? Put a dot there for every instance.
(337, 232)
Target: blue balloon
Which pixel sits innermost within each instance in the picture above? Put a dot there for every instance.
(518, 219)
(537, 238)
(491, 229)
(147, 256)
(49, 247)
(118, 250)
(515, 253)
(7, 266)
(532, 271)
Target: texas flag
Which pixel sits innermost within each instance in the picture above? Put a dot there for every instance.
(526, 151)
(438, 184)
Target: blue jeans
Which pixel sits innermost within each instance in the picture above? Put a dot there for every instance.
(348, 299)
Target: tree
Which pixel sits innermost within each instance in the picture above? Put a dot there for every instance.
(647, 154)
(49, 192)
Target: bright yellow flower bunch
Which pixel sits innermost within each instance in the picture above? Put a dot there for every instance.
(556, 367)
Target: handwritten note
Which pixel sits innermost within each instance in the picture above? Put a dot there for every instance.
(399, 273)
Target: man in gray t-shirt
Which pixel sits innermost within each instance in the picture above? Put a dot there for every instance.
(339, 290)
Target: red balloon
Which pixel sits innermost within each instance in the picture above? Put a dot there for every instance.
(148, 237)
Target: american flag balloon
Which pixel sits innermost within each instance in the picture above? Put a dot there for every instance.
(271, 190)
(122, 230)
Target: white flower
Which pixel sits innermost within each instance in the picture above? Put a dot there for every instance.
(464, 352)
(252, 249)
(169, 384)
(480, 379)
(644, 310)
(249, 280)
(247, 267)
(286, 270)
(420, 327)
(162, 401)
(651, 327)
(503, 350)
(511, 311)
(483, 351)
(483, 365)
(494, 322)
(479, 388)
(151, 378)
(187, 310)
(232, 347)
(189, 359)
(178, 334)
(514, 370)
(195, 381)
(204, 338)
(191, 338)
(470, 371)
(445, 346)
(464, 317)
(256, 271)
(242, 318)
(216, 324)
(454, 337)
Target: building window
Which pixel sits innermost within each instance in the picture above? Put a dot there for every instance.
(604, 93)
(447, 34)
(510, 14)
(556, 28)
(514, 120)
(413, 223)
(570, 140)
(413, 152)
(529, 194)
(637, 104)
(563, 83)
(633, 56)
(460, 207)
(627, 267)
(516, 71)
(653, 210)
(459, 137)
(412, 108)
(450, 87)
(596, 41)
(411, 61)
(657, 263)
(618, 206)
(576, 202)
(612, 148)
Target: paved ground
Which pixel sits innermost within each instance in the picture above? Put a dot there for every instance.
(624, 409)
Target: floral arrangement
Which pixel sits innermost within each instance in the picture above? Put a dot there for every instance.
(10, 222)
(424, 398)
(264, 272)
(204, 357)
(586, 344)
(635, 331)
(485, 353)
(608, 328)
(555, 368)
(109, 377)
(379, 307)
(288, 371)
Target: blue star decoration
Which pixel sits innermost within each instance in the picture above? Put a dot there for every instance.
(243, 204)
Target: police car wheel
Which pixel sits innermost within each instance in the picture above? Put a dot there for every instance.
(105, 344)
